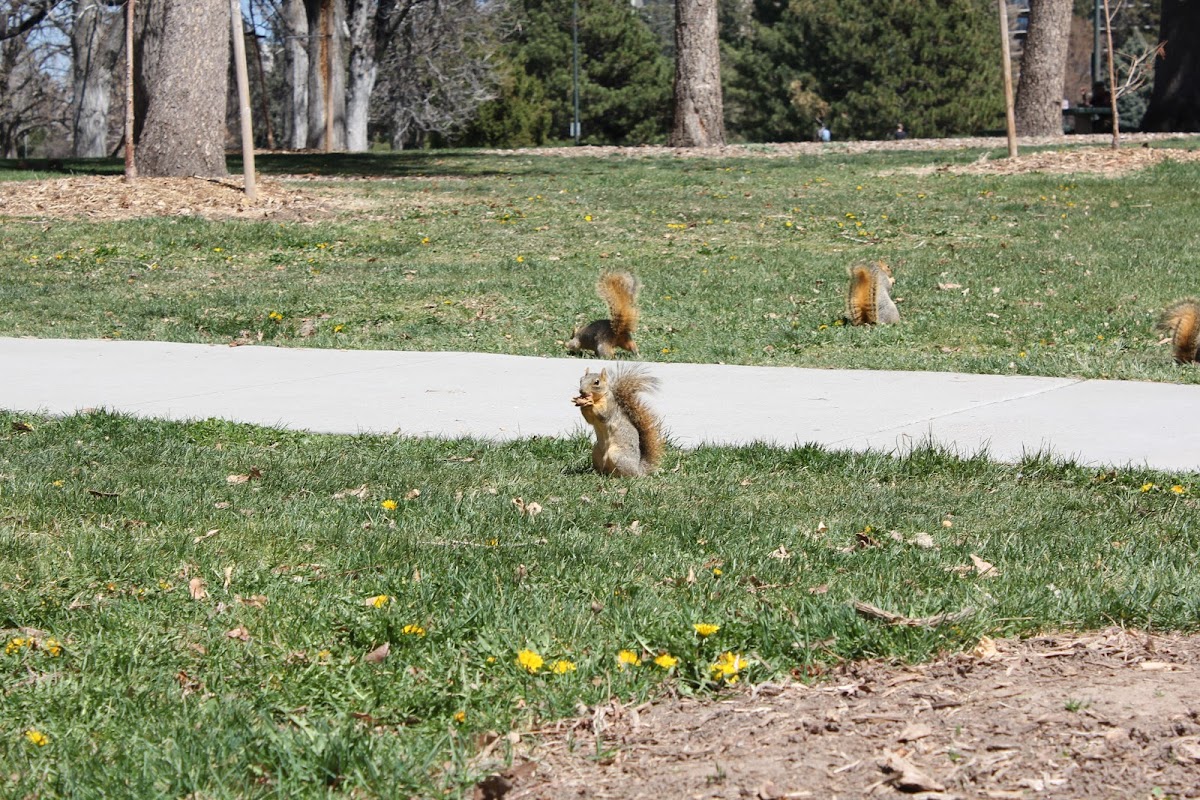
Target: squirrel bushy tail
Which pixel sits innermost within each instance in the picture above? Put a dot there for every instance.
(869, 300)
(619, 290)
(628, 434)
(1181, 321)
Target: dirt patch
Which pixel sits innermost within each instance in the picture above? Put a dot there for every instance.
(110, 197)
(1109, 715)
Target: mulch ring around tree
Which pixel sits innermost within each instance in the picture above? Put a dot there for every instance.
(1113, 714)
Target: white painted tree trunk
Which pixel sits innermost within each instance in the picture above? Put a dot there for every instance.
(362, 73)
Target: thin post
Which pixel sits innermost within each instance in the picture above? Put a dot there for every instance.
(130, 166)
(262, 79)
(575, 62)
(1009, 113)
(243, 85)
(1112, 80)
(1095, 42)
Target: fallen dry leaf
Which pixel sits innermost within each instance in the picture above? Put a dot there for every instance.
(196, 588)
(945, 287)
(360, 493)
(984, 569)
(781, 553)
(254, 600)
(913, 731)
(204, 536)
(240, 633)
(377, 655)
(922, 540)
(412, 494)
(228, 577)
(985, 648)
(236, 479)
(905, 775)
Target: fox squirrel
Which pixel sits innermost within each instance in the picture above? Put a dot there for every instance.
(870, 300)
(1181, 321)
(628, 435)
(619, 290)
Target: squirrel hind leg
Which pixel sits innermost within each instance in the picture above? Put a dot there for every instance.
(605, 350)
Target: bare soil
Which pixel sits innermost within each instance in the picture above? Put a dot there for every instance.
(1114, 714)
(104, 198)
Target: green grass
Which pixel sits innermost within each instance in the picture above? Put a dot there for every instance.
(743, 261)
(106, 519)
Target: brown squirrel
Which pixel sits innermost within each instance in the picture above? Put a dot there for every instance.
(870, 300)
(1181, 322)
(628, 435)
(619, 290)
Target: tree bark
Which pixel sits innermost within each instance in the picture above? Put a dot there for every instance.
(1175, 100)
(699, 111)
(182, 86)
(295, 50)
(362, 73)
(1043, 67)
(96, 40)
(326, 75)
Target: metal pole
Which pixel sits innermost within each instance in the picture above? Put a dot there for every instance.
(575, 58)
(243, 85)
(1009, 114)
(1095, 43)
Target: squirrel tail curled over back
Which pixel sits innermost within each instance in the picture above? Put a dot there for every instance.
(619, 290)
(627, 384)
(869, 300)
(1181, 322)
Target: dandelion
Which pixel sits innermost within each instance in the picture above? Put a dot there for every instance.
(460, 716)
(716, 572)
(378, 601)
(338, 328)
(37, 738)
(1177, 489)
(58, 483)
(413, 630)
(1148, 487)
(52, 646)
(727, 666)
(424, 240)
(324, 655)
(627, 658)
(530, 660)
(218, 249)
(520, 259)
(561, 667)
(389, 504)
(15, 645)
(666, 661)
(587, 217)
(822, 327)
(704, 629)
(275, 315)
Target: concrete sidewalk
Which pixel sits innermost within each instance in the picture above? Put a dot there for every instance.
(1112, 423)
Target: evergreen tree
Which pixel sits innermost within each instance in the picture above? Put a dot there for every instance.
(624, 80)
(865, 65)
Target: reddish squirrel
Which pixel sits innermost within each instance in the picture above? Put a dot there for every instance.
(870, 300)
(619, 290)
(628, 435)
(1181, 322)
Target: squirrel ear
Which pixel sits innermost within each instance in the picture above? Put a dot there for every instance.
(604, 374)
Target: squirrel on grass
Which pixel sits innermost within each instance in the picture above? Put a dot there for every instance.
(628, 435)
(870, 298)
(1181, 322)
(619, 290)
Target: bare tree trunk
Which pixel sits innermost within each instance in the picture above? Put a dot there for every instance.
(699, 111)
(1043, 66)
(326, 75)
(182, 84)
(130, 162)
(95, 51)
(363, 71)
(295, 51)
(1175, 101)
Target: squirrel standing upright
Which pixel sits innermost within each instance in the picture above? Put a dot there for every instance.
(619, 290)
(628, 435)
(1181, 322)
(870, 299)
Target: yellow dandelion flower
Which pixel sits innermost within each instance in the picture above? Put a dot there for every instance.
(562, 667)
(705, 629)
(666, 661)
(530, 660)
(15, 645)
(587, 217)
(1177, 489)
(389, 504)
(37, 737)
(822, 327)
(413, 630)
(324, 654)
(275, 315)
(460, 716)
(728, 665)
(52, 646)
(378, 601)
(424, 240)
(520, 259)
(717, 572)
(338, 328)
(58, 483)
(1148, 487)
(627, 658)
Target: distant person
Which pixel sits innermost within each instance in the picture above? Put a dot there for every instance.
(1100, 96)
(899, 133)
(823, 131)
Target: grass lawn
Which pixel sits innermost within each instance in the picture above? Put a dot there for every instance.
(743, 261)
(199, 609)
(187, 608)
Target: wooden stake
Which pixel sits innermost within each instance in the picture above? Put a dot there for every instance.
(1009, 113)
(1112, 80)
(243, 84)
(130, 166)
